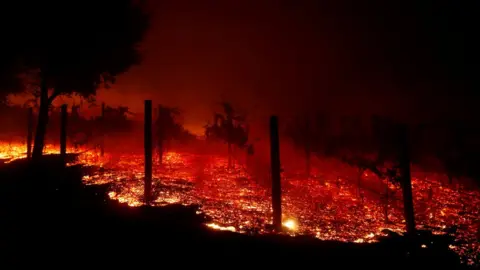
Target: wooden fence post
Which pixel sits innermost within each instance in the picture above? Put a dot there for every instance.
(406, 180)
(276, 179)
(102, 146)
(63, 131)
(148, 151)
(29, 132)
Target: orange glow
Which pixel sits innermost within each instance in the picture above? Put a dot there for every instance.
(13, 151)
(290, 224)
(329, 209)
(221, 228)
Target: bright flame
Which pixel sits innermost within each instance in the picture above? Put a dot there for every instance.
(221, 228)
(290, 224)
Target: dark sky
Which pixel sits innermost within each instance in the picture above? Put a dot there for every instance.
(286, 56)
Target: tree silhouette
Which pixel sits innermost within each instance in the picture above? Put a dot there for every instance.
(73, 47)
(119, 113)
(229, 127)
(166, 128)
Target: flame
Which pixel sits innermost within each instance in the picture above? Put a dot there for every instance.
(328, 209)
(290, 224)
(221, 228)
(13, 151)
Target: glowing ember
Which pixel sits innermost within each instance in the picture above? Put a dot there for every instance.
(329, 207)
(10, 152)
(221, 228)
(13, 151)
(290, 224)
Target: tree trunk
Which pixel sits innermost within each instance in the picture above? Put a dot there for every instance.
(42, 122)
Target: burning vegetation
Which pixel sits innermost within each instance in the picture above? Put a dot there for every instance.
(338, 195)
(328, 205)
(355, 186)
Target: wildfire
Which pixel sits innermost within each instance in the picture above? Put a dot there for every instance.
(221, 228)
(10, 152)
(290, 224)
(13, 151)
(329, 208)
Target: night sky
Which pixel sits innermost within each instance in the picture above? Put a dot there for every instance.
(290, 56)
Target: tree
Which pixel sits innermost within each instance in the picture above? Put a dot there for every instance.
(230, 128)
(166, 128)
(71, 47)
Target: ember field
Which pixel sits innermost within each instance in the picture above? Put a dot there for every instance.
(328, 206)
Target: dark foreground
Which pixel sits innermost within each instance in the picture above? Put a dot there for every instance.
(48, 217)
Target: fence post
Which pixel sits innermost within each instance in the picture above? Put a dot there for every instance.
(63, 131)
(275, 168)
(102, 146)
(406, 181)
(148, 151)
(29, 132)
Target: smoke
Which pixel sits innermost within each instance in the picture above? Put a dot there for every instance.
(287, 57)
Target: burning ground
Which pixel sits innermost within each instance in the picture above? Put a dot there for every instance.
(329, 206)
